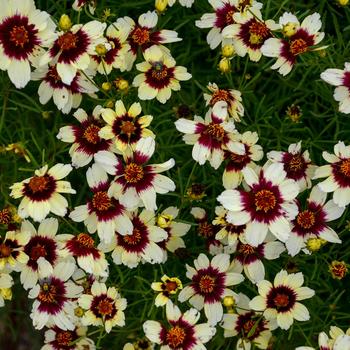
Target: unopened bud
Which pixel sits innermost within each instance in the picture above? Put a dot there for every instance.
(65, 23)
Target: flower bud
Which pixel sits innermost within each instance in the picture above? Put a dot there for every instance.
(65, 23)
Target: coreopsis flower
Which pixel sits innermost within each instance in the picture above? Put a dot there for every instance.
(181, 332)
(233, 176)
(169, 286)
(6, 282)
(85, 138)
(268, 206)
(105, 307)
(102, 213)
(113, 53)
(12, 249)
(196, 192)
(53, 296)
(280, 301)
(136, 183)
(294, 113)
(301, 38)
(338, 269)
(24, 31)
(222, 17)
(83, 248)
(312, 221)
(79, 4)
(73, 48)
(340, 79)
(76, 339)
(125, 127)
(296, 164)
(337, 173)
(230, 96)
(247, 325)
(65, 96)
(42, 192)
(249, 32)
(42, 250)
(210, 136)
(250, 259)
(159, 76)
(210, 280)
(140, 244)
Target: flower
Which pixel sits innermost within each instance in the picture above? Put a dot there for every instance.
(169, 286)
(53, 294)
(104, 307)
(300, 39)
(85, 137)
(338, 269)
(42, 192)
(79, 4)
(340, 79)
(296, 164)
(280, 301)
(72, 49)
(136, 183)
(230, 96)
(6, 282)
(312, 220)
(159, 75)
(337, 173)
(181, 331)
(125, 127)
(102, 213)
(24, 31)
(268, 206)
(211, 136)
(209, 285)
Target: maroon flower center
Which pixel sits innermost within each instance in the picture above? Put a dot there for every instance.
(38, 184)
(296, 163)
(67, 41)
(298, 46)
(306, 219)
(206, 229)
(48, 293)
(101, 201)
(19, 36)
(247, 326)
(5, 250)
(220, 95)
(159, 71)
(133, 173)
(127, 127)
(239, 158)
(216, 130)
(207, 284)
(105, 307)
(91, 134)
(229, 17)
(85, 240)
(37, 251)
(133, 239)
(5, 216)
(64, 338)
(265, 200)
(175, 337)
(140, 35)
(258, 32)
(345, 167)
(170, 286)
(281, 300)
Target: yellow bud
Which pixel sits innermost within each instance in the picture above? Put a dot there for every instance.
(161, 5)
(290, 29)
(224, 65)
(78, 311)
(342, 2)
(6, 293)
(228, 51)
(101, 49)
(164, 220)
(106, 86)
(229, 301)
(122, 84)
(314, 244)
(65, 23)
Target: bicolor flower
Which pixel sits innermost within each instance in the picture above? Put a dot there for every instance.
(341, 79)
(85, 138)
(24, 31)
(169, 286)
(181, 332)
(337, 173)
(104, 307)
(159, 76)
(209, 285)
(280, 301)
(42, 192)
(136, 183)
(79, 4)
(268, 206)
(102, 213)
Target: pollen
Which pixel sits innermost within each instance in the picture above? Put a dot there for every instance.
(85, 240)
(127, 127)
(306, 219)
(265, 200)
(67, 41)
(140, 36)
(229, 17)
(281, 300)
(175, 337)
(19, 36)
(64, 338)
(206, 229)
(37, 251)
(91, 134)
(133, 173)
(220, 95)
(134, 238)
(5, 250)
(48, 293)
(246, 249)
(258, 32)
(101, 201)
(298, 46)
(105, 307)
(296, 163)
(38, 183)
(345, 167)
(159, 71)
(207, 284)
(216, 130)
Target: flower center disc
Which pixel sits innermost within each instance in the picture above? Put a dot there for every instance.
(258, 32)
(219, 95)
(85, 240)
(265, 200)
(67, 41)
(47, 293)
(207, 284)
(133, 173)
(345, 167)
(91, 134)
(171, 286)
(298, 46)
(105, 307)
(229, 17)
(37, 252)
(306, 219)
(246, 249)
(64, 338)
(175, 337)
(296, 163)
(140, 36)
(38, 183)
(101, 201)
(127, 127)
(281, 300)
(5, 250)
(159, 71)
(216, 130)
(19, 36)
(248, 326)
(133, 239)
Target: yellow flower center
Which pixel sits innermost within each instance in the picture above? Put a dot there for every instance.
(216, 130)
(127, 127)
(101, 201)
(258, 32)
(298, 46)
(38, 183)
(140, 36)
(134, 238)
(265, 200)
(48, 293)
(64, 338)
(91, 134)
(219, 95)
(133, 173)
(345, 167)
(246, 249)
(105, 307)
(306, 219)
(85, 240)
(175, 337)
(207, 284)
